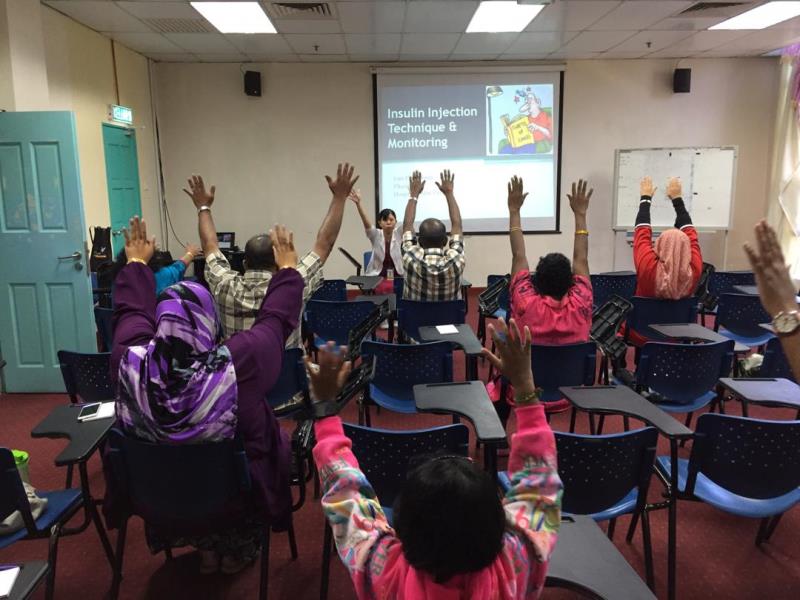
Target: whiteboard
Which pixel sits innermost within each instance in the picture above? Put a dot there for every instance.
(708, 178)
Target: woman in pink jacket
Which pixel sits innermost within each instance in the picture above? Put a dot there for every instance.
(453, 536)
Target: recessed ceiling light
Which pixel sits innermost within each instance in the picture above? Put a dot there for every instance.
(235, 17)
(762, 16)
(501, 17)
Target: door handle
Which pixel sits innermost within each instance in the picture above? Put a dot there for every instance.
(116, 232)
(74, 256)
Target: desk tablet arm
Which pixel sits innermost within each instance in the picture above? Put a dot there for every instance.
(352, 260)
(365, 328)
(606, 323)
(489, 299)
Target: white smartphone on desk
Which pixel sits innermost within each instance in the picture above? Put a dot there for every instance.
(96, 410)
(88, 411)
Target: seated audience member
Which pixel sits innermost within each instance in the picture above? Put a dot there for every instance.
(239, 296)
(433, 266)
(385, 239)
(452, 536)
(166, 272)
(777, 291)
(177, 384)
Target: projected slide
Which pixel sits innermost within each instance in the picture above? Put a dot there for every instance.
(483, 127)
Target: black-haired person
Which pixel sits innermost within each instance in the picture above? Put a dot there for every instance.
(387, 257)
(166, 271)
(453, 536)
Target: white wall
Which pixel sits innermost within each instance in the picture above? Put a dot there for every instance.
(268, 155)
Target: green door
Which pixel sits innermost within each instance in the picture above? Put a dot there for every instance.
(122, 174)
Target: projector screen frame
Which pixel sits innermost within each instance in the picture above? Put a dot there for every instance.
(521, 68)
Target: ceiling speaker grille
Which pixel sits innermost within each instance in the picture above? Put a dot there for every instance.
(705, 7)
(300, 10)
(180, 25)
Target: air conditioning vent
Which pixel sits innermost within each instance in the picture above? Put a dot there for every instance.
(300, 10)
(707, 7)
(180, 25)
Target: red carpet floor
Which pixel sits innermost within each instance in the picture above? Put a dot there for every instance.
(717, 557)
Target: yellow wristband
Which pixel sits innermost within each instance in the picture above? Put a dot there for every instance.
(581, 232)
(515, 229)
(139, 260)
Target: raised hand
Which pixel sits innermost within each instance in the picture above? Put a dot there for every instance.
(513, 354)
(579, 198)
(775, 287)
(646, 187)
(197, 192)
(344, 182)
(415, 185)
(515, 196)
(283, 247)
(327, 378)
(193, 249)
(446, 185)
(674, 188)
(355, 196)
(137, 245)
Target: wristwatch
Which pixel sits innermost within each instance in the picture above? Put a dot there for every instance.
(325, 408)
(786, 322)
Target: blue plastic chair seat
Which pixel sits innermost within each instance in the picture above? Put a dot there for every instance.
(500, 313)
(389, 512)
(320, 342)
(697, 404)
(58, 503)
(398, 400)
(720, 498)
(751, 341)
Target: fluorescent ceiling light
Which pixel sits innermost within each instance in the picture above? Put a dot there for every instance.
(500, 17)
(762, 16)
(235, 17)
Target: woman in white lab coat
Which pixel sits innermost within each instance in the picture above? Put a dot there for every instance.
(386, 238)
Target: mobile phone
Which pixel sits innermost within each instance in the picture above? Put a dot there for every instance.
(88, 410)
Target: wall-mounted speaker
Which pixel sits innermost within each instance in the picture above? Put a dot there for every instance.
(682, 81)
(252, 83)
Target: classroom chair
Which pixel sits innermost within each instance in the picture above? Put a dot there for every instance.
(739, 317)
(332, 290)
(605, 285)
(333, 320)
(412, 314)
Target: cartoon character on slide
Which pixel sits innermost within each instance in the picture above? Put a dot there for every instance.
(540, 126)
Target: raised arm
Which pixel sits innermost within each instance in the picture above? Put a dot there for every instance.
(644, 257)
(329, 230)
(355, 196)
(203, 200)
(776, 289)
(446, 187)
(519, 260)
(579, 203)
(415, 186)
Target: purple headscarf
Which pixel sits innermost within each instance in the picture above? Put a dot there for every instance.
(181, 387)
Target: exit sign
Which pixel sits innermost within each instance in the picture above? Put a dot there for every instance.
(121, 114)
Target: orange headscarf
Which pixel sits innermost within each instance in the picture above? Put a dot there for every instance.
(674, 269)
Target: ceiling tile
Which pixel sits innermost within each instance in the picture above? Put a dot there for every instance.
(145, 42)
(100, 16)
(367, 43)
(203, 43)
(323, 58)
(793, 24)
(574, 55)
(687, 23)
(425, 57)
(758, 42)
(273, 57)
(376, 58)
(308, 26)
(371, 17)
(539, 42)
(531, 56)
(259, 43)
(615, 54)
(316, 44)
(476, 56)
(439, 16)
(571, 15)
(658, 40)
(639, 14)
(429, 43)
(703, 40)
(221, 58)
(596, 41)
(172, 57)
(160, 10)
(484, 43)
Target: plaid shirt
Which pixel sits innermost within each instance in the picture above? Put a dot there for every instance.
(432, 274)
(239, 297)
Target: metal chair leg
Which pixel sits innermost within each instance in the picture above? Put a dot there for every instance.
(648, 551)
(327, 543)
(612, 525)
(264, 583)
(52, 558)
(572, 418)
(762, 531)
(117, 578)
(601, 421)
(688, 423)
(292, 540)
(632, 527)
(772, 526)
(626, 423)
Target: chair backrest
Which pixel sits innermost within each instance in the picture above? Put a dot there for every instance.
(600, 470)
(605, 285)
(12, 493)
(332, 290)
(87, 377)
(741, 314)
(775, 363)
(722, 282)
(399, 282)
(653, 311)
(568, 364)
(367, 259)
(753, 458)
(401, 366)
(384, 455)
(333, 320)
(684, 372)
(413, 314)
(172, 485)
(291, 380)
(504, 298)
(103, 321)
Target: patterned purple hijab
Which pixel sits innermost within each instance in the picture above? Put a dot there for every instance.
(181, 387)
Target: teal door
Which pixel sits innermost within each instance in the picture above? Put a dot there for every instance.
(45, 290)
(122, 174)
